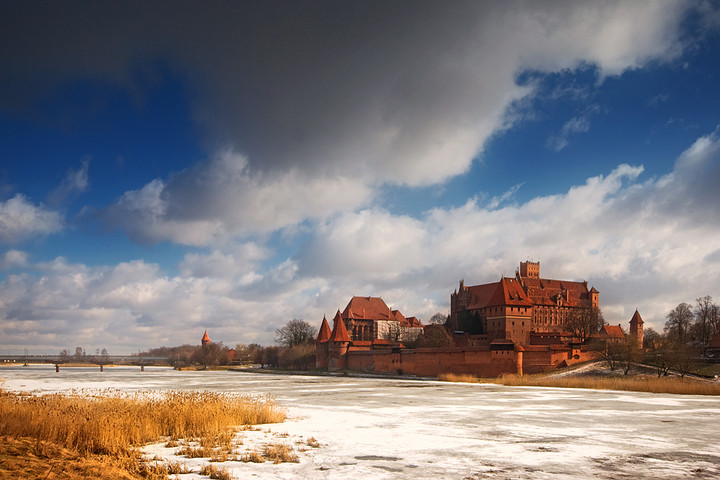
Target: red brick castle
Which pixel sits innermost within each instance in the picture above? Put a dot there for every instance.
(514, 325)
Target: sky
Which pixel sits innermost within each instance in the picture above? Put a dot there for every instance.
(171, 167)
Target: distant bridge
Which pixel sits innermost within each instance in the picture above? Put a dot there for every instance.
(100, 360)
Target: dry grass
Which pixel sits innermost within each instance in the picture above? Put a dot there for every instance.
(312, 442)
(112, 426)
(215, 472)
(253, 457)
(650, 384)
(458, 378)
(280, 453)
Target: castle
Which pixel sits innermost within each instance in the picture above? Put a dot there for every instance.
(515, 325)
(513, 308)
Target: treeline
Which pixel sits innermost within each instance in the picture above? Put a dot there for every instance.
(294, 350)
(212, 354)
(685, 344)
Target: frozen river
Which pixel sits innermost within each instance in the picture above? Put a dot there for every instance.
(381, 428)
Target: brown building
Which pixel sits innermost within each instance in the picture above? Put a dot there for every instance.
(514, 325)
(369, 319)
(513, 308)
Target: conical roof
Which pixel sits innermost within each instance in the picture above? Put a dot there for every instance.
(636, 318)
(339, 333)
(205, 338)
(324, 334)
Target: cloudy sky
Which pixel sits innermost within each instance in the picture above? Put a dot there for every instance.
(175, 166)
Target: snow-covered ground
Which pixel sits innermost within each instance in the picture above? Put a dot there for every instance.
(392, 429)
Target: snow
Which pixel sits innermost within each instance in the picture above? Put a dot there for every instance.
(392, 429)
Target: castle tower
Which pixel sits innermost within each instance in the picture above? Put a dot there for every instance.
(205, 340)
(530, 269)
(321, 345)
(338, 344)
(594, 297)
(636, 329)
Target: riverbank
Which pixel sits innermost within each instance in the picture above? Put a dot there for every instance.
(99, 435)
(597, 376)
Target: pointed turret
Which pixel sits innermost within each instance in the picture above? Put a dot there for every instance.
(205, 340)
(339, 333)
(636, 329)
(324, 334)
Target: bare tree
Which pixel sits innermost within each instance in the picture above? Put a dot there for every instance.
(678, 323)
(583, 322)
(433, 336)
(296, 332)
(438, 319)
(705, 324)
(394, 332)
(660, 357)
(628, 353)
(651, 338)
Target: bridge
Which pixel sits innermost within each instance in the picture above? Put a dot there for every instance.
(99, 360)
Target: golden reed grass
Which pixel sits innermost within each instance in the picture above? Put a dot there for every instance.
(649, 384)
(113, 424)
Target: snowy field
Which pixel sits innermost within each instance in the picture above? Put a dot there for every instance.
(393, 429)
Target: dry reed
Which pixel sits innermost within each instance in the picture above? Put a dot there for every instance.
(280, 453)
(651, 384)
(113, 424)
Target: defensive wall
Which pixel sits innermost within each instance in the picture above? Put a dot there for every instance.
(478, 361)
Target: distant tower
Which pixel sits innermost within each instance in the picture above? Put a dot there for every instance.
(530, 269)
(205, 339)
(636, 329)
(594, 297)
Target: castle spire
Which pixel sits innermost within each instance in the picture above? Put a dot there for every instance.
(339, 333)
(324, 334)
(205, 339)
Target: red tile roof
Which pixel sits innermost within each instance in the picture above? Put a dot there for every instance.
(339, 333)
(612, 331)
(324, 334)
(543, 291)
(367, 308)
(507, 291)
(205, 338)
(412, 322)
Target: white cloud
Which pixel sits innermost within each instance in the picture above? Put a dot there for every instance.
(222, 199)
(20, 219)
(650, 244)
(75, 182)
(646, 244)
(13, 258)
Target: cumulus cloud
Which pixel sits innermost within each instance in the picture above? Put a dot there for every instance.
(20, 219)
(311, 95)
(222, 198)
(647, 243)
(13, 258)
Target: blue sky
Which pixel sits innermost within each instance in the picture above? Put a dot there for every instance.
(175, 166)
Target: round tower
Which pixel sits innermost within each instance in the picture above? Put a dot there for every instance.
(321, 345)
(338, 344)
